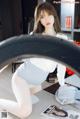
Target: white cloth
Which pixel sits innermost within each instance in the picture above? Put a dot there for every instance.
(68, 95)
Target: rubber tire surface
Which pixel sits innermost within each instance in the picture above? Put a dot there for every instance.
(39, 45)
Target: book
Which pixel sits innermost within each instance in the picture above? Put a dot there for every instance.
(55, 112)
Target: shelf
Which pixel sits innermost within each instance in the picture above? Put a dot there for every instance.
(62, 8)
(76, 30)
(64, 29)
(70, 30)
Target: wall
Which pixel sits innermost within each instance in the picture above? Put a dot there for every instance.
(10, 18)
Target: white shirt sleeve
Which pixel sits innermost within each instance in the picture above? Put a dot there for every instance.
(61, 69)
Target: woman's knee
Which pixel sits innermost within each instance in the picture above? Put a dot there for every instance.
(25, 112)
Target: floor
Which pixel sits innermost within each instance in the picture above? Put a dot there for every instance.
(6, 90)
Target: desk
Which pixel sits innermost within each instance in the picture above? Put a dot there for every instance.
(14, 65)
(17, 62)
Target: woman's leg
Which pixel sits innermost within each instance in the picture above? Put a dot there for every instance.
(23, 106)
(35, 88)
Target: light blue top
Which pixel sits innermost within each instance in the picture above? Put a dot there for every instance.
(31, 73)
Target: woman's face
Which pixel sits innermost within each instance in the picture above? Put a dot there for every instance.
(46, 19)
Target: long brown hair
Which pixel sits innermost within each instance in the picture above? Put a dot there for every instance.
(49, 8)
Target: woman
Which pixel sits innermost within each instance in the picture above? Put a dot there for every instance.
(41, 22)
(35, 70)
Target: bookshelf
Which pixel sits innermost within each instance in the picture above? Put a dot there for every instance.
(71, 9)
(77, 21)
(69, 15)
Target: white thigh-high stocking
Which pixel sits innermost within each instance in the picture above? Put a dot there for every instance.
(22, 107)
